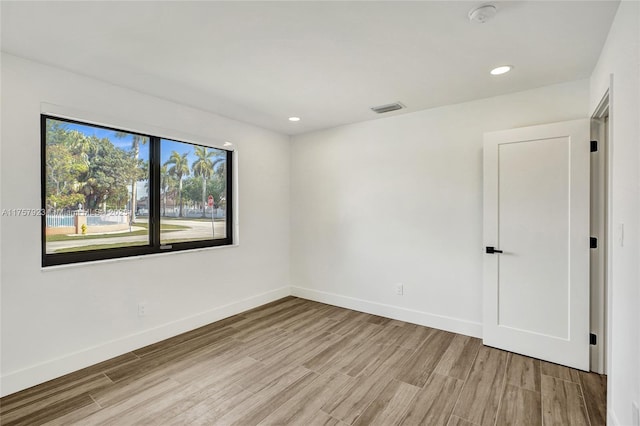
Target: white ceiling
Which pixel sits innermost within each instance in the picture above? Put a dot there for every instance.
(327, 62)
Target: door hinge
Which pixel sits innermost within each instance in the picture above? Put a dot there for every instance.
(594, 146)
(593, 242)
(593, 339)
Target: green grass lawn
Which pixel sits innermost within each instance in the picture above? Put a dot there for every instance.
(163, 228)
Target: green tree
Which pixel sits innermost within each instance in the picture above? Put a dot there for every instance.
(111, 169)
(216, 188)
(205, 164)
(165, 185)
(65, 201)
(191, 190)
(61, 168)
(64, 166)
(86, 169)
(136, 141)
(179, 167)
(220, 184)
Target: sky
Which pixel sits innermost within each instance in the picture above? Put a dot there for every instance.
(166, 145)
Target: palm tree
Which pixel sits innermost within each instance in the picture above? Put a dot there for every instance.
(204, 167)
(179, 168)
(165, 178)
(135, 147)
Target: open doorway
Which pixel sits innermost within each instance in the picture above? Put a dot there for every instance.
(598, 225)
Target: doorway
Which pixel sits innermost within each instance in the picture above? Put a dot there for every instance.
(598, 226)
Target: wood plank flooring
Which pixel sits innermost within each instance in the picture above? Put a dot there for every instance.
(300, 362)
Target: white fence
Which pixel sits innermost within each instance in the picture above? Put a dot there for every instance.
(59, 220)
(107, 219)
(194, 213)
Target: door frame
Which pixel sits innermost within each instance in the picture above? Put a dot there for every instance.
(601, 229)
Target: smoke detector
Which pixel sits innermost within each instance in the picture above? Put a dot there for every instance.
(482, 13)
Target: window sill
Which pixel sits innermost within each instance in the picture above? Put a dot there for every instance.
(133, 258)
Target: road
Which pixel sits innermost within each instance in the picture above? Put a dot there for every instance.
(198, 230)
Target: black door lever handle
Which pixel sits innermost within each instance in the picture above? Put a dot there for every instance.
(492, 250)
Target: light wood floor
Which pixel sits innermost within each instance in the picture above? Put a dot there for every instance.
(299, 362)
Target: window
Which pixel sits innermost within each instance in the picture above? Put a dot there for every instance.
(110, 193)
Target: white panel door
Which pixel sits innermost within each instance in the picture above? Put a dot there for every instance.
(536, 220)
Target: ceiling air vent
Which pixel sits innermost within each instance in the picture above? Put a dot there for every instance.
(387, 108)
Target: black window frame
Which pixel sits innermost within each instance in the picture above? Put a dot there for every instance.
(154, 246)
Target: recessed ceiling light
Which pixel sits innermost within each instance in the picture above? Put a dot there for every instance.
(501, 70)
(294, 118)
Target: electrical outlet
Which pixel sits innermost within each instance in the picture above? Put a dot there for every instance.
(399, 289)
(142, 309)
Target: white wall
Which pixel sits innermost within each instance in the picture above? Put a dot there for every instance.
(55, 321)
(620, 57)
(400, 200)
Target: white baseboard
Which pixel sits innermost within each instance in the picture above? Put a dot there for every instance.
(40, 373)
(456, 325)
